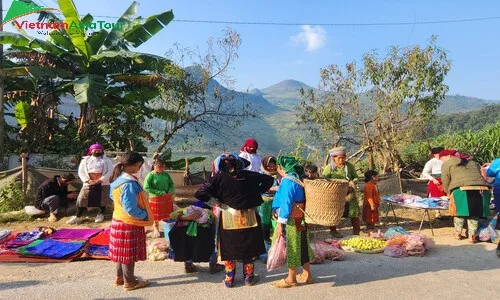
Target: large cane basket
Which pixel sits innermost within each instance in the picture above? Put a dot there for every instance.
(325, 201)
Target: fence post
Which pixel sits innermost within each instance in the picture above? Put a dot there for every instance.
(24, 173)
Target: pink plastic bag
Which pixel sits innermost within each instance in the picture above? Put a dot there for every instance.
(277, 254)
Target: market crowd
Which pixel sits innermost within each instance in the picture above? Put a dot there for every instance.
(249, 203)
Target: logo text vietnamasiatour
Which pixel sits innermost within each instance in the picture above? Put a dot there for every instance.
(98, 25)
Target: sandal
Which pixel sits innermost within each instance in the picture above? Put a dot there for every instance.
(216, 268)
(254, 280)
(308, 280)
(119, 281)
(190, 268)
(140, 284)
(282, 284)
(459, 236)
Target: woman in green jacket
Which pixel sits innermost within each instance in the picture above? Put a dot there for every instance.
(468, 191)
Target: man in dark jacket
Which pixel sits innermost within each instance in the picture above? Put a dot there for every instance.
(53, 193)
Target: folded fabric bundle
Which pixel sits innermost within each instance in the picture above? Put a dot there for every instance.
(22, 250)
(24, 238)
(75, 233)
(97, 250)
(101, 239)
(55, 249)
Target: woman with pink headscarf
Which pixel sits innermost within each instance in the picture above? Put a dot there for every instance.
(94, 171)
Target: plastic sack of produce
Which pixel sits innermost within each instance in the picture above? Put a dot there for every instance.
(416, 245)
(395, 251)
(395, 230)
(318, 258)
(277, 254)
(487, 232)
(328, 251)
(377, 235)
(397, 241)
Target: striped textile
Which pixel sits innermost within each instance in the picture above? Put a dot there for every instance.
(161, 206)
(127, 243)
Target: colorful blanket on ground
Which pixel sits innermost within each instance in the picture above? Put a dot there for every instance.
(55, 249)
(22, 251)
(75, 233)
(102, 239)
(24, 238)
(97, 250)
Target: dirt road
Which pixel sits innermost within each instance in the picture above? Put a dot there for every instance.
(451, 269)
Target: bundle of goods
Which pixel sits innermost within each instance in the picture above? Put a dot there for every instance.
(323, 250)
(157, 251)
(5, 235)
(407, 245)
(325, 201)
(364, 245)
(395, 230)
(487, 231)
(417, 201)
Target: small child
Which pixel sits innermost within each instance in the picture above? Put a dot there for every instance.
(311, 172)
(160, 187)
(131, 213)
(371, 200)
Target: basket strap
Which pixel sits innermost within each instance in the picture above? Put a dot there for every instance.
(305, 213)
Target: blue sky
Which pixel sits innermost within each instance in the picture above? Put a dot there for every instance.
(270, 54)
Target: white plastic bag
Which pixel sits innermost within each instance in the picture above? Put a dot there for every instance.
(277, 254)
(33, 211)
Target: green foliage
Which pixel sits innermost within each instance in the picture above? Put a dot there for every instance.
(11, 197)
(483, 145)
(179, 164)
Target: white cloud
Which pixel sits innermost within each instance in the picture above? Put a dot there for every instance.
(313, 37)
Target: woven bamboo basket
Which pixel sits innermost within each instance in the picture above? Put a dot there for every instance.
(325, 201)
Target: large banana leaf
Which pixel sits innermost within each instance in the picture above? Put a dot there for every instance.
(61, 40)
(22, 113)
(90, 88)
(96, 40)
(140, 33)
(128, 61)
(77, 35)
(35, 72)
(18, 40)
(116, 34)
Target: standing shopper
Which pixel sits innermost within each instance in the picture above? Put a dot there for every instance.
(240, 228)
(468, 191)
(132, 213)
(249, 152)
(94, 171)
(288, 204)
(160, 187)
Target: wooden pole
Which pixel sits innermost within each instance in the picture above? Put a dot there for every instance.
(24, 173)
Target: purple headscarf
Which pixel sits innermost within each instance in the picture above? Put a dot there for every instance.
(93, 147)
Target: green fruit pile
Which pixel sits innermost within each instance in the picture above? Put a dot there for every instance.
(364, 243)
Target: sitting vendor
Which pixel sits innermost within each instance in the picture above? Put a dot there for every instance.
(53, 193)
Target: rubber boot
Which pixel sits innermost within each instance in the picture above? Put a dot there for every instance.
(356, 227)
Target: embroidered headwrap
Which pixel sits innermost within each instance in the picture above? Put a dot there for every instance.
(337, 151)
(94, 147)
(250, 143)
(290, 165)
(455, 153)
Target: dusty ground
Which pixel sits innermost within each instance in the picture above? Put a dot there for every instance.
(451, 269)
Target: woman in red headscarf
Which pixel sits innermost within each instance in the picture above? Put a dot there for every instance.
(468, 191)
(94, 171)
(249, 152)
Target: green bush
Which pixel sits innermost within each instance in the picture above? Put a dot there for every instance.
(11, 197)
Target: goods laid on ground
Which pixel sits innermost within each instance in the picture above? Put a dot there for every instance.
(46, 244)
(325, 201)
(407, 245)
(364, 245)
(326, 251)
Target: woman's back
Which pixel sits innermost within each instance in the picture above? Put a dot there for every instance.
(455, 175)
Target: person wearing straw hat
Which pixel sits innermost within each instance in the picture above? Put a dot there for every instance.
(339, 168)
(288, 205)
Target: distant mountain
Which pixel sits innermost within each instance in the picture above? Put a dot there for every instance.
(459, 103)
(285, 94)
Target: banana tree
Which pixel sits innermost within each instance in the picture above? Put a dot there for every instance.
(91, 60)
